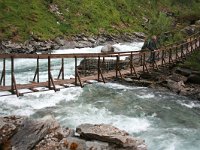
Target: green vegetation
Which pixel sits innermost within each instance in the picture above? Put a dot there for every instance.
(193, 62)
(21, 19)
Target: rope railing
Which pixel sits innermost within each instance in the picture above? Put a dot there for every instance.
(104, 65)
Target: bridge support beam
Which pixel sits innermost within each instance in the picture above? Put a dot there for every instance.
(50, 77)
(131, 65)
(3, 75)
(61, 70)
(37, 72)
(117, 68)
(13, 80)
(77, 76)
(99, 70)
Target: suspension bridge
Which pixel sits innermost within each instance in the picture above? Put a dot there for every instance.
(100, 71)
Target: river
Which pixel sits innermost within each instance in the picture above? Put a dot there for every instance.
(164, 120)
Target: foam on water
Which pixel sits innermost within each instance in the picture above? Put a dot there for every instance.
(120, 86)
(30, 103)
(189, 104)
(87, 113)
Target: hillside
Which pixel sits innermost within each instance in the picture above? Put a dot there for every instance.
(47, 19)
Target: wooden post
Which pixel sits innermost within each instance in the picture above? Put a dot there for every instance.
(3, 75)
(99, 68)
(49, 72)
(182, 52)
(176, 53)
(131, 63)
(4, 66)
(76, 71)
(12, 73)
(77, 76)
(37, 71)
(143, 61)
(116, 67)
(170, 55)
(162, 57)
(61, 69)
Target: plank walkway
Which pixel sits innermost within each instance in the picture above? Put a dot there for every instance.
(167, 56)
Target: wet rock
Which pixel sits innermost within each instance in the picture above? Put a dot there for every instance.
(189, 30)
(175, 86)
(107, 49)
(60, 41)
(55, 139)
(194, 78)
(183, 71)
(140, 35)
(32, 132)
(96, 145)
(178, 77)
(197, 22)
(8, 127)
(82, 44)
(110, 134)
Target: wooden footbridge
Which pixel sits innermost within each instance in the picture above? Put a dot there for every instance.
(136, 63)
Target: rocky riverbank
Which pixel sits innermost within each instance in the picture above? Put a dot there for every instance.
(22, 133)
(35, 45)
(182, 81)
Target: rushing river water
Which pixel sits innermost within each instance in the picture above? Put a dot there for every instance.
(166, 121)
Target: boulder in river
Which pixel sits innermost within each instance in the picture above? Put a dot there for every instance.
(107, 49)
(110, 134)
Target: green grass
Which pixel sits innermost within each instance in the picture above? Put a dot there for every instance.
(21, 19)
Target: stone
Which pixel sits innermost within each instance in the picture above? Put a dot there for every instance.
(175, 86)
(183, 71)
(194, 78)
(178, 77)
(8, 127)
(96, 145)
(59, 41)
(189, 30)
(32, 132)
(107, 49)
(197, 22)
(82, 44)
(74, 143)
(110, 134)
(140, 35)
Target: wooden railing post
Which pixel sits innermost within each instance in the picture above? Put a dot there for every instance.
(3, 75)
(37, 71)
(99, 68)
(76, 83)
(182, 54)
(62, 70)
(116, 67)
(12, 73)
(13, 81)
(77, 77)
(131, 63)
(176, 53)
(49, 72)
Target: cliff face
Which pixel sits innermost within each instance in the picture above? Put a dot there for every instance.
(48, 19)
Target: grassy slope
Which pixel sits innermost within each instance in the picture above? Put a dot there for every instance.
(21, 18)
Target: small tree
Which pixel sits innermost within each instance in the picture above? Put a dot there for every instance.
(159, 23)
